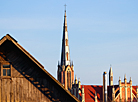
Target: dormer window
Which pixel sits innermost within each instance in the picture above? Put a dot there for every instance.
(6, 70)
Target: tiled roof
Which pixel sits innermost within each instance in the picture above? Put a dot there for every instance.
(135, 90)
(90, 90)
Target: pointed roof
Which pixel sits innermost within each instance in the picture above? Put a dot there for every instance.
(75, 77)
(65, 55)
(130, 79)
(10, 40)
(110, 71)
(125, 76)
(119, 78)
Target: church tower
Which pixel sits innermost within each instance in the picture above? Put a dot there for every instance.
(65, 73)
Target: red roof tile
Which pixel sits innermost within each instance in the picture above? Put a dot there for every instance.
(90, 90)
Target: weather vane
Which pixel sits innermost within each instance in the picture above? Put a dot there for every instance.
(65, 7)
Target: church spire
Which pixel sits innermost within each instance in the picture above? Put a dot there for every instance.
(65, 73)
(65, 55)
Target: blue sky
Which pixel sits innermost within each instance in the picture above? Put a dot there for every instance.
(101, 32)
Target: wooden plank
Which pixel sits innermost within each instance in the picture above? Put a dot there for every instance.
(14, 89)
(33, 92)
(21, 89)
(17, 89)
(29, 91)
(5, 84)
(0, 90)
(8, 89)
(14, 72)
(11, 91)
(42, 89)
(3, 91)
(42, 97)
(38, 93)
(25, 92)
(27, 86)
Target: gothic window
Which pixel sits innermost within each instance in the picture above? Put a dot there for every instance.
(66, 42)
(59, 76)
(69, 79)
(67, 56)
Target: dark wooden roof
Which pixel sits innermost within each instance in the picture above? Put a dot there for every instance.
(8, 40)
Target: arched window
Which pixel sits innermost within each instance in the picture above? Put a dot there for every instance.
(59, 76)
(67, 56)
(66, 42)
(69, 79)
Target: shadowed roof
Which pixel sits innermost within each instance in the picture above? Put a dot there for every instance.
(90, 90)
(13, 41)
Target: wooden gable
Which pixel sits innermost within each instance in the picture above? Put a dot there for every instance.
(24, 79)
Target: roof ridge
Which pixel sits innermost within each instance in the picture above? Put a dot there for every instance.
(10, 37)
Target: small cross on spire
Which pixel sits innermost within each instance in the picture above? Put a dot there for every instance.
(65, 7)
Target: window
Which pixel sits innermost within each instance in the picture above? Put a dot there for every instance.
(6, 70)
(66, 42)
(67, 56)
(69, 79)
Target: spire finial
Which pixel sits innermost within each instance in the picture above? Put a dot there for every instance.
(58, 62)
(125, 76)
(79, 79)
(119, 78)
(65, 7)
(130, 78)
(76, 77)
